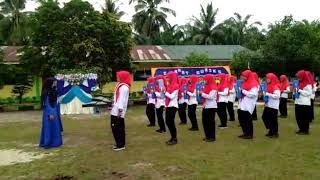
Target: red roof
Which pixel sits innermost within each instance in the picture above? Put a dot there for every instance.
(10, 54)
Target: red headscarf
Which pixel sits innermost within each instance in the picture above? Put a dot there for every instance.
(310, 77)
(158, 77)
(231, 81)
(284, 83)
(182, 81)
(124, 78)
(256, 77)
(251, 81)
(223, 82)
(193, 83)
(274, 83)
(210, 84)
(150, 81)
(304, 80)
(173, 84)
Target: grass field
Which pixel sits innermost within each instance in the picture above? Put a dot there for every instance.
(87, 153)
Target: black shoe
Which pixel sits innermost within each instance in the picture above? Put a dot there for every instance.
(302, 133)
(210, 140)
(182, 123)
(274, 136)
(160, 131)
(193, 129)
(119, 148)
(241, 136)
(172, 142)
(223, 127)
(282, 116)
(151, 125)
(231, 120)
(268, 134)
(247, 137)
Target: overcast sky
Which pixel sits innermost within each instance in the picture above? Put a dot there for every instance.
(265, 11)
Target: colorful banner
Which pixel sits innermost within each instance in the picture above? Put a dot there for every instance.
(187, 71)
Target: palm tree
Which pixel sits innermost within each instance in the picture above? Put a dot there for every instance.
(111, 7)
(204, 30)
(150, 17)
(172, 35)
(13, 27)
(240, 27)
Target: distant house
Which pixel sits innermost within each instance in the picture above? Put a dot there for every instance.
(148, 56)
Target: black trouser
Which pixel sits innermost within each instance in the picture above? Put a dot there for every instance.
(230, 111)
(222, 113)
(193, 116)
(151, 114)
(270, 119)
(208, 122)
(170, 116)
(254, 114)
(160, 118)
(182, 113)
(312, 110)
(118, 130)
(303, 117)
(283, 107)
(245, 120)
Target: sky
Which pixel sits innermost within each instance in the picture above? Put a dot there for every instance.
(265, 11)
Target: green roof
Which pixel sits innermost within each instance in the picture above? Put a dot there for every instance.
(215, 52)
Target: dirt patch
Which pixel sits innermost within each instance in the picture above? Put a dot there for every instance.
(142, 165)
(14, 156)
(62, 177)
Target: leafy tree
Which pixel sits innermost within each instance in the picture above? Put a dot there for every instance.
(197, 59)
(24, 83)
(77, 37)
(150, 17)
(248, 59)
(111, 7)
(203, 30)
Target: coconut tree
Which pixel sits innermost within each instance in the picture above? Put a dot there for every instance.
(13, 27)
(204, 30)
(150, 17)
(110, 6)
(240, 27)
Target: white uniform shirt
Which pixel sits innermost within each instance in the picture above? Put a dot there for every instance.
(305, 96)
(249, 101)
(211, 99)
(192, 98)
(232, 95)
(285, 93)
(151, 100)
(223, 96)
(173, 98)
(160, 100)
(122, 102)
(274, 99)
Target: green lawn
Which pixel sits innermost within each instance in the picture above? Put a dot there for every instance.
(87, 152)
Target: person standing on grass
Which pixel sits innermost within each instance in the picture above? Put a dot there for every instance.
(209, 95)
(285, 90)
(232, 96)
(247, 103)
(303, 103)
(160, 102)
(254, 114)
(270, 112)
(119, 108)
(172, 105)
(313, 95)
(183, 82)
(193, 103)
(151, 101)
(51, 135)
(222, 98)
